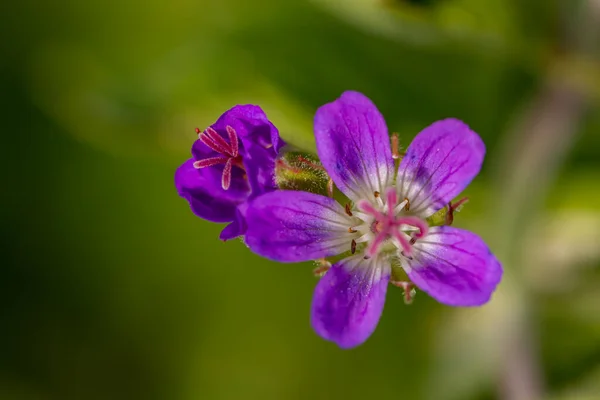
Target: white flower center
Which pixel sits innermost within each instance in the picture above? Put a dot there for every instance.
(385, 223)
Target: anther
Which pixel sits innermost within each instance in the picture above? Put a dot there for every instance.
(353, 246)
(348, 211)
(233, 140)
(407, 206)
(376, 194)
(350, 230)
(330, 192)
(226, 177)
(209, 162)
(218, 140)
(197, 130)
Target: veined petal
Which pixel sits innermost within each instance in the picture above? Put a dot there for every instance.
(202, 189)
(439, 163)
(454, 266)
(354, 146)
(349, 299)
(252, 126)
(291, 226)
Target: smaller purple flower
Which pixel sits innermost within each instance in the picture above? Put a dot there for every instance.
(233, 162)
(385, 222)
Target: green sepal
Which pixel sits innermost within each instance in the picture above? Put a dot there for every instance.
(439, 218)
(301, 171)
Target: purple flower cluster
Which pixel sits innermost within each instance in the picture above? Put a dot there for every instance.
(383, 222)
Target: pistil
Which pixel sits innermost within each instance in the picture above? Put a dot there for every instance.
(388, 224)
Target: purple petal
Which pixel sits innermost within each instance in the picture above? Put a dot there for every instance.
(290, 226)
(354, 146)
(202, 189)
(260, 169)
(238, 226)
(439, 163)
(454, 266)
(252, 126)
(349, 299)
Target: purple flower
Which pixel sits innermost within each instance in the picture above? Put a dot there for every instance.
(384, 223)
(234, 161)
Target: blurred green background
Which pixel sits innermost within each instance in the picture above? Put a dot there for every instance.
(112, 289)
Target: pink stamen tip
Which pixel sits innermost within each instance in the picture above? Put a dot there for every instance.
(197, 130)
(204, 138)
(226, 178)
(224, 147)
(233, 140)
(209, 162)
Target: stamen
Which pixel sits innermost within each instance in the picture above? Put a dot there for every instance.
(219, 141)
(233, 140)
(350, 230)
(363, 216)
(348, 211)
(211, 144)
(226, 178)
(229, 152)
(378, 198)
(197, 131)
(330, 191)
(353, 246)
(365, 238)
(401, 206)
(209, 162)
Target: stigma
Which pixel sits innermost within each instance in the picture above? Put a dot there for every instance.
(386, 224)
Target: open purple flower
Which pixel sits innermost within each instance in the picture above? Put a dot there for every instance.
(385, 221)
(233, 161)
